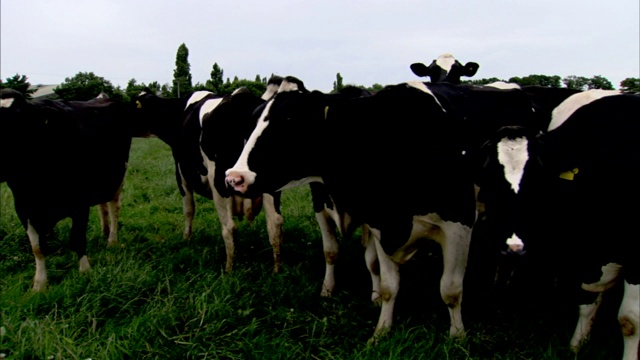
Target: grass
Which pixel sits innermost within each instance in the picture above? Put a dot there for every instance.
(155, 296)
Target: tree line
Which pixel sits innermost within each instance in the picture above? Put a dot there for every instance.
(87, 85)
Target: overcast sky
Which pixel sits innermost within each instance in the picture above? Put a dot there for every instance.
(367, 42)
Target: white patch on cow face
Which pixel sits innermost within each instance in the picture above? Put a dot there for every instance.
(512, 154)
(242, 165)
(515, 243)
(503, 85)
(287, 86)
(445, 61)
(6, 103)
(271, 90)
(422, 87)
(563, 111)
(197, 96)
(208, 107)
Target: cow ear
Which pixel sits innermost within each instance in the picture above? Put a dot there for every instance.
(470, 69)
(419, 69)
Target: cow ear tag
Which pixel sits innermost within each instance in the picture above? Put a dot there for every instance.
(569, 175)
(326, 110)
(138, 104)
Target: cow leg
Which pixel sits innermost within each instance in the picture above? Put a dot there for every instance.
(114, 214)
(78, 238)
(224, 208)
(330, 249)
(389, 286)
(40, 277)
(188, 204)
(371, 259)
(455, 251)
(629, 319)
(103, 213)
(114, 206)
(587, 312)
(274, 228)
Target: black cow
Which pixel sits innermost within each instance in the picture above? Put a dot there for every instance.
(445, 69)
(109, 212)
(568, 198)
(59, 159)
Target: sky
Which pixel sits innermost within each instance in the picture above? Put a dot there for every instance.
(366, 41)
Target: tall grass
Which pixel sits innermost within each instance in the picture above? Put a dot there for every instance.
(155, 296)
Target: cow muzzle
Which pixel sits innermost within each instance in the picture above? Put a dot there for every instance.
(239, 180)
(515, 246)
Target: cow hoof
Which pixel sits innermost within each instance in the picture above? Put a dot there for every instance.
(457, 334)
(325, 292)
(39, 286)
(377, 336)
(84, 264)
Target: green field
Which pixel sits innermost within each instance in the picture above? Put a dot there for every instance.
(155, 296)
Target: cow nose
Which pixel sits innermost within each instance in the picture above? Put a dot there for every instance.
(236, 181)
(515, 250)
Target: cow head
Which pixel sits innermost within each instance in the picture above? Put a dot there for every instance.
(159, 116)
(509, 176)
(284, 143)
(445, 69)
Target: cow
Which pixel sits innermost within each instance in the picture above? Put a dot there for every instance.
(179, 122)
(60, 158)
(563, 197)
(206, 134)
(367, 152)
(109, 212)
(446, 68)
(543, 100)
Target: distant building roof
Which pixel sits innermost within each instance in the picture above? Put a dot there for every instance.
(43, 91)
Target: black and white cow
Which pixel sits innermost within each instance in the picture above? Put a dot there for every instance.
(490, 269)
(568, 197)
(59, 159)
(445, 69)
(180, 123)
(397, 161)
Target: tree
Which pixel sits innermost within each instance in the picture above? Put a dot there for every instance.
(216, 81)
(338, 85)
(182, 73)
(599, 82)
(85, 86)
(575, 82)
(133, 89)
(155, 87)
(375, 88)
(18, 83)
(542, 80)
(631, 85)
(257, 87)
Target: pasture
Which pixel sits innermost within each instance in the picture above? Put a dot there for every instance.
(155, 296)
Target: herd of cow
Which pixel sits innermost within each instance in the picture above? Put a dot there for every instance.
(413, 161)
